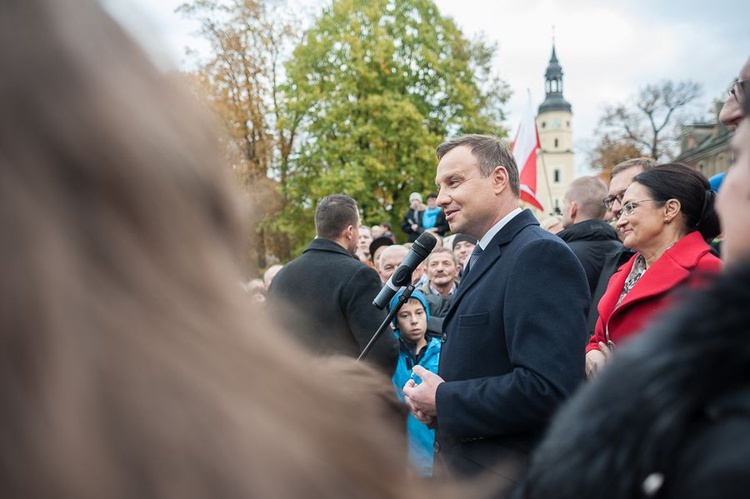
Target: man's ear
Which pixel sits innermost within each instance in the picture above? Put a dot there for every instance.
(500, 178)
(573, 210)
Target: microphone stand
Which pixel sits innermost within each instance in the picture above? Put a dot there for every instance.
(401, 300)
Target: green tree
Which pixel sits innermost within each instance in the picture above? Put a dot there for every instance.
(380, 84)
(651, 120)
(609, 152)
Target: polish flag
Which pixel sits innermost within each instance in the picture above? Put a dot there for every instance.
(525, 147)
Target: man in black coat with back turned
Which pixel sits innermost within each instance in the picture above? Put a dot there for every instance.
(325, 296)
(585, 231)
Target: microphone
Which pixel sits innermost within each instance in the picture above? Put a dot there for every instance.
(402, 276)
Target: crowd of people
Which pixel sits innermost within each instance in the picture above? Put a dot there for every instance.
(604, 360)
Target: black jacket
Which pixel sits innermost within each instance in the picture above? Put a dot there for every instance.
(415, 217)
(590, 241)
(673, 407)
(324, 298)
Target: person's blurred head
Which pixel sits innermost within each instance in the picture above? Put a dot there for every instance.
(390, 259)
(431, 200)
(376, 248)
(620, 178)
(733, 200)
(364, 240)
(664, 204)
(411, 319)
(478, 181)
(442, 269)
(583, 201)
(337, 219)
(133, 366)
(552, 224)
(415, 201)
(463, 245)
(376, 231)
(732, 111)
(270, 273)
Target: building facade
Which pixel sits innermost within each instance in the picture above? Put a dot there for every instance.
(555, 163)
(705, 147)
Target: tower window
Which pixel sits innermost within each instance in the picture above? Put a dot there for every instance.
(557, 143)
(544, 124)
(556, 175)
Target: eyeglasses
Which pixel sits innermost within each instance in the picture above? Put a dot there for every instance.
(737, 90)
(610, 200)
(629, 208)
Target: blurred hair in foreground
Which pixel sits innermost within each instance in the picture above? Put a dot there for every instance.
(131, 365)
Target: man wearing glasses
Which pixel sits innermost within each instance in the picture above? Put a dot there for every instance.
(731, 113)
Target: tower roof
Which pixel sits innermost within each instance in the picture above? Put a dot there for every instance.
(554, 100)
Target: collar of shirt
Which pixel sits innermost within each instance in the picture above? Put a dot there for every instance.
(497, 227)
(434, 291)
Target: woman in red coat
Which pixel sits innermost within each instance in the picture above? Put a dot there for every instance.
(667, 216)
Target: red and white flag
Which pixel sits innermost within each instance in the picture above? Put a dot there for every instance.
(524, 150)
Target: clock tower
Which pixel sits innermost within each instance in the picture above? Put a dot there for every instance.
(554, 121)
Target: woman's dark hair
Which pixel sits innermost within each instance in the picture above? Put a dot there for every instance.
(691, 189)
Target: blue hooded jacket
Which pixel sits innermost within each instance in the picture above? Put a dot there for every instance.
(421, 438)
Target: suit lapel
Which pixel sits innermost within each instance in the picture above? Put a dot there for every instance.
(490, 255)
(668, 272)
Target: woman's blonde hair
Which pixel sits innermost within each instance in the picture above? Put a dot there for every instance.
(131, 363)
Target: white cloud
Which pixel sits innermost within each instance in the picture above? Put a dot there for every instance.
(607, 49)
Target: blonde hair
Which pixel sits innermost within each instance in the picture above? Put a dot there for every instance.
(132, 364)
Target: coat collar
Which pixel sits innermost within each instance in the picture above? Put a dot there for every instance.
(671, 269)
(322, 244)
(492, 253)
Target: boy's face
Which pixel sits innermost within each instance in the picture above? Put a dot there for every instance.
(412, 320)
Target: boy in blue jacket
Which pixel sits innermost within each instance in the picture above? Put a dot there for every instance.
(410, 326)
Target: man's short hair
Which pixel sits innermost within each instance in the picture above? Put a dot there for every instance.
(445, 250)
(490, 152)
(587, 193)
(334, 214)
(645, 163)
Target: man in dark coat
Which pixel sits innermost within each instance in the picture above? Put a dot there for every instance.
(325, 296)
(585, 231)
(412, 222)
(515, 334)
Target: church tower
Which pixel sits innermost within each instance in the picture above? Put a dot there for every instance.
(556, 137)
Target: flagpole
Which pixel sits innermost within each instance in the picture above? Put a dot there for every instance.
(546, 178)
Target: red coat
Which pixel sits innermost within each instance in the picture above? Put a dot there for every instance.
(685, 263)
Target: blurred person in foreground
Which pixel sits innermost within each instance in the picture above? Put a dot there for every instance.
(670, 417)
(667, 216)
(132, 366)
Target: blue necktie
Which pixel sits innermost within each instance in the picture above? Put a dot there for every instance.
(473, 259)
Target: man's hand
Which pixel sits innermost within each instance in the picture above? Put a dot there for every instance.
(420, 398)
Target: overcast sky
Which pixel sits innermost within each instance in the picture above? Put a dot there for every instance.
(608, 49)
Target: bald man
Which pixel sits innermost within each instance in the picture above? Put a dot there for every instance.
(584, 228)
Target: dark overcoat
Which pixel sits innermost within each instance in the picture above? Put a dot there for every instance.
(513, 350)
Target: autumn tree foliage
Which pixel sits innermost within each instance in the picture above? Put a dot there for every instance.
(241, 79)
(357, 103)
(649, 122)
(382, 83)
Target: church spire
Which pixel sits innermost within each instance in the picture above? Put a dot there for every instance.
(553, 89)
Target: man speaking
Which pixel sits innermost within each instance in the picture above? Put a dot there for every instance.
(515, 334)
